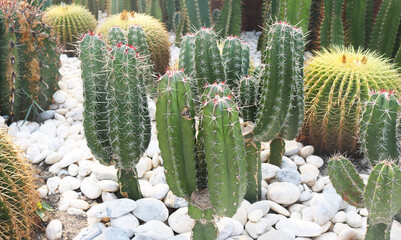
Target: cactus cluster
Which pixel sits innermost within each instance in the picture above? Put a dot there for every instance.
(18, 197)
(378, 133)
(156, 35)
(337, 84)
(117, 122)
(29, 63)
(332, 32)
(381, 195)
(222, 147)
(70, 22)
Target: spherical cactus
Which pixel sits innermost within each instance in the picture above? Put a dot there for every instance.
(18, 197)
(70, 22)
(156, 35)
(337, 83)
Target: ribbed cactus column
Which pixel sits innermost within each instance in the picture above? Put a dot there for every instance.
(175, 122)
(378, 129)
(235, 59)
(116, 36)
(381, 196)
(248, 96)
(208, 62)
(281, 106)
(224, 154)
(229, 20)
(129, 121)
(198, 13)
(332, 31)
(187, 56)
(357, 14)
(93, 57)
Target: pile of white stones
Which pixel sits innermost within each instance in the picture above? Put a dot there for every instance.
(298, 203)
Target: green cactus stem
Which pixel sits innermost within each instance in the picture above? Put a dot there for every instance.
(92, 56)
(116, 36)
(277, 148)
(235, 58)
(378, 129)
(345, 180)
(198, 13)
(315, 23)
(229, 20)
(383, 193)
(296, 12)
(281, 107)
(129, 122)
(384, 34)
(208, 62)
(187, 56)
(332, 32)
(175, 122)
(204, 231)
(248, 97)
(357, 13)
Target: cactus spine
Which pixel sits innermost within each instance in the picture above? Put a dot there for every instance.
(92, 55)
(381, 195)
(282, 98)
(18, 197)
(235, 58)
(332, 32)
(248, 96)
(187, 58)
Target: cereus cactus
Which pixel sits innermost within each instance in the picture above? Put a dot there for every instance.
(70, 22)
(208, 62)
(332, 32)
(229, 19)
(223, 150)
(235, 58)
(198, 13)
(175, 121)
(129, 121)
(18, 197)
(295, 12)
(156, 35)
(29, 63)
(93, 57)
(248, 96)
(381, 196)
(187, 58)
(378, 131)
(315, 22)
(95, 6)
(281, 105)
(337, 83)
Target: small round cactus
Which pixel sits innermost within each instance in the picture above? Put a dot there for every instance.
(337, 83)
(18, 197)
(70, 22)
(156, 35)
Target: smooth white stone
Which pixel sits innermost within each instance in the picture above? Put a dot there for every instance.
(112, 209)
(48, 128)
(68, 183)
(304, 169)
(264, 155)
(241, 215)
(75, 211)
(43, 191)
(102, 172)
(153, 148)
(155, 230)
(159, 191)
(363, 212)
(277, 235)
(60, 96)
(291, 148)
(85, 167)
(55, 168)
(150, 209)
(262, 205)
(283, 192)
(225, 228)
(53, 183)
(307, 214)
(90, 232)
(354, 219)
(296, 207)
(306, 151)
(299, 228)
(269, 171)
(78, 203)
(71, 157)
(350, 233)
(257, 229)
(41, 156)
(172, 201)
(315, 161)
(340, 217)
(54, 230)
(112, 233)
(326, 226)
(158, 176)
(53, 158)
(339, 227)
(180, 221)
(323, 208)
(31, 152)
(89, 187)
(288, 163)
(107, 196)
(279, 209)
(73, 170)
(108, 185)
(327, 236)
(299, 161)
(155, 160)
(70, 103)
(127, 222)
(62, 131)
(255, 215)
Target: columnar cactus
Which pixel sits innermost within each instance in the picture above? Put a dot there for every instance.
(93, 56)
(315, 23)
(378, 130)
(18, 197)
(381, 196)
(129, 121)
(187, 56)
(156, 35)
(358, 18)
(29, 63)
(295, 12)
(198, 13)
(281, 108)
(332, 32)
(235, 58)
(208, 61)
(248, 95)
(70, 22)
(116, 36)
(223, 149)
(334, 102)
(277, 148)
(229, 19)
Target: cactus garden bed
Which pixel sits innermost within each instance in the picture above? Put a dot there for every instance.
(298, 200)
